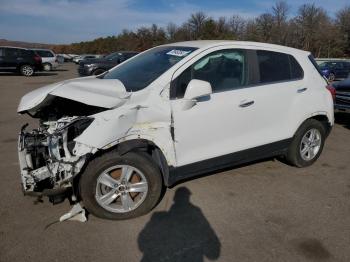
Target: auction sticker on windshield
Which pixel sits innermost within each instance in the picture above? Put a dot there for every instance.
(179, 53)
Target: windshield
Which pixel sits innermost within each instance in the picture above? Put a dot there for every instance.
(111, 56)
(138, 73)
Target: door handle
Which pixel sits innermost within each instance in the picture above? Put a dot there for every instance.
(246, 104)
(301, 90)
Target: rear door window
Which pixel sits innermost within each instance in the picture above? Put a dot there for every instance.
(44, 53)
(12, 52)
(295, 69)
(277, 67)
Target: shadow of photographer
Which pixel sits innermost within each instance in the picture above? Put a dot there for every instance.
(180, 234)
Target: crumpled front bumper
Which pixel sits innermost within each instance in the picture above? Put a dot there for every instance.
(26, 178)
(56, 172)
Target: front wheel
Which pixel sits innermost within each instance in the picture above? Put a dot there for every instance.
(47, 67)
(121, 187)
(26, 70)
(307, 144)
(98, 72)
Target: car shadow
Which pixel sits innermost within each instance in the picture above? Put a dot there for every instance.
(343, 119)
(180, 234)
(59, 70)
(45, 74)
(35, 74)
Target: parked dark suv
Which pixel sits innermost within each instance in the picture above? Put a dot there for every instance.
(335, 69)
(341, 95)
(99, 65)
(15, 59)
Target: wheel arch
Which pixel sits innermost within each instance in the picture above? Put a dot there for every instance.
(323, 118)
(138, 145)
(98, 68)
(151, 149)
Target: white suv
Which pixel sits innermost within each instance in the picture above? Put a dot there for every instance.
(48, 57)
(170, 113)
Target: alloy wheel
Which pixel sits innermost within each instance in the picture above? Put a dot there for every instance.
(310, 144)
(121, 189)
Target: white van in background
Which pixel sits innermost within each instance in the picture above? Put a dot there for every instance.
(49, 59)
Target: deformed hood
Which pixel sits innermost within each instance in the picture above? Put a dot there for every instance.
(106, 93)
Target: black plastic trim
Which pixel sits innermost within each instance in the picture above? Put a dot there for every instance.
(177, 174)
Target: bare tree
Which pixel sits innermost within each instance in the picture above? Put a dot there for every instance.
(237, 26)
(343, 24)
(171, 31)
(280, 28)
(264, 24)
(196, 23)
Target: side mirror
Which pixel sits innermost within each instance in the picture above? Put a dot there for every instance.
(197, 88)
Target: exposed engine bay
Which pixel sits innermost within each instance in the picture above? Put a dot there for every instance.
(49, 157)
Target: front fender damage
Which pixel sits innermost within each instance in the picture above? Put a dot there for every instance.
(53, 155)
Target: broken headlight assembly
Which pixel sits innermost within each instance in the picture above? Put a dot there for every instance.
(49, 157)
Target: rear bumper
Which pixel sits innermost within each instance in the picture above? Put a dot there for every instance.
(55, 65)
(342, 101)
(341, 108)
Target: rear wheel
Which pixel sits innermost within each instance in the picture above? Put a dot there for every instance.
(27, 70)
(307, 144)
(121, 187)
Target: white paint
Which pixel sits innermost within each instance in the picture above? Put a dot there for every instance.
(107, 93)
(205, 129)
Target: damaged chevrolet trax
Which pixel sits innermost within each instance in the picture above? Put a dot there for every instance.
(112, 142)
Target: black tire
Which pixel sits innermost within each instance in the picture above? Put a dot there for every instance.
(294, 156)
(26, 70)
(47, 67)
(139, 160)
(98, 72)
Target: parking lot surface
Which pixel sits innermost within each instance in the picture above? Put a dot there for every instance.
(266, 211)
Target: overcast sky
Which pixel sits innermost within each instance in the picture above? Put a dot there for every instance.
(66, 21)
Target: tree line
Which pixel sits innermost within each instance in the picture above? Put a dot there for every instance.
(312, 29)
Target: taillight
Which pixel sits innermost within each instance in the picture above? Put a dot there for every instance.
(37, 58)
(332, 90)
